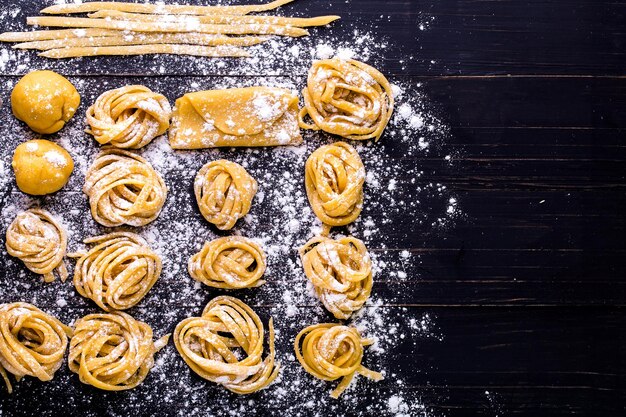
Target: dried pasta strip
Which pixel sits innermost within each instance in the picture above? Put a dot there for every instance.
(31, 342)
(217, 19)
(160, 8)
(44, 35)
(208, 51)
(113, 352)
(40, 241)
(144, 39)
(243, 29)
(225, 346)
(330, 351)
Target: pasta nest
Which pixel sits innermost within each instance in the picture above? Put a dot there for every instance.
(229, 262)
(224, 191)
(123, 189)
(128, 117)
(347, 98)
(334, 177)
(117, 272)
(39, 241)
(113, 352)
(340, 271)
(31, 342)
(330, 351)
(225, 345)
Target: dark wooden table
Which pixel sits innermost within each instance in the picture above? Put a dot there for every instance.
(527, 288)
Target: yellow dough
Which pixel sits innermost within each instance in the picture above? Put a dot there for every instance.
(254, 116)
(113, 352)
(331, 351)
(124, 189)
(229, 262)
(224, 191)
(340, 271)
(38, 240)
(31, 342)
(334, 178)
(41, 167)
(347, 98)
(117, 272)
(225, 346)
(45, 101)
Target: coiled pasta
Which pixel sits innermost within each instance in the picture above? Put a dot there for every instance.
(117, 272)
(31, 342)
(347, 98)
(340, 271)
(38, 240)
(128, 117)
(229, 262)
(224, 191)
(123, 189)
(334, 178)
(225, 346)
(331, 351)
(113, 352)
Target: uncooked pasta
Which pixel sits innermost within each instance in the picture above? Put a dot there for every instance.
(113, 352)
(225, 346)
(32, 343)
(331, 351)
(347, 98)
(123, 189)
(40, 241)
(224, 191)
(128, 117)
(117, 272)
(229, 262)
(340, 271)
(334, 177)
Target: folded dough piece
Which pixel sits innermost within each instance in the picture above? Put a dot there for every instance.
(253, 116)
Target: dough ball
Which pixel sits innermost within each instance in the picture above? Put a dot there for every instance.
(45, 101)
(41, 167)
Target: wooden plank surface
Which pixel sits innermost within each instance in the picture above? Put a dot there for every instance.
(524, 290)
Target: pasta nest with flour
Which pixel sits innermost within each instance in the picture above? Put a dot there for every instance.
(347, 98)
(225, 346)
(38, 240)
(31, 342)
(229, 262)
(340, 271)
(117, 272)
(113, 352)
(123, 189)
(128, 117)
(331, 351)
(224, 191)
(334, 178)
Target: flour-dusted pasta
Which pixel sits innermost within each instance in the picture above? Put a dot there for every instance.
(117, 272)
(334, 178)
(32, 343)
(347, 98)
(123, 189)
(225, 346)
(113, 352)
(229, 262)
(224, 191)
(252, 116)
(340, 271)
(331, 351)
(40, 241)
(128, 117)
